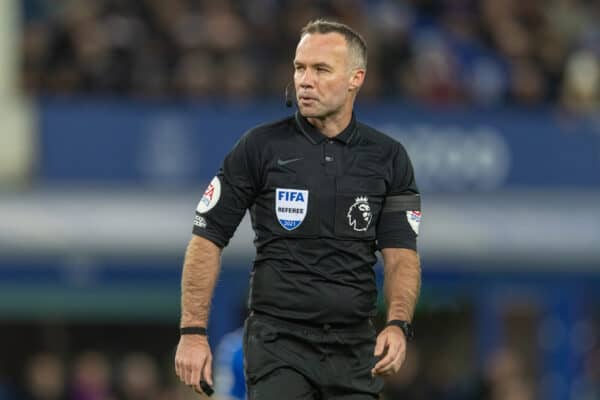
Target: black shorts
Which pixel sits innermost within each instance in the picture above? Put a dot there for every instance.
(286, 360)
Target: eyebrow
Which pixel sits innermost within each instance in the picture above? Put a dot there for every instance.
(315, 65)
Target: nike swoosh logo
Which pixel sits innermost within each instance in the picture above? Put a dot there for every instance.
(285, 162)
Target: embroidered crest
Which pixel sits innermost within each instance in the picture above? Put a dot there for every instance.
(290, 207)
(359, 214)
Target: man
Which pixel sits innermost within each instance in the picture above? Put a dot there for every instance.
(324, 193)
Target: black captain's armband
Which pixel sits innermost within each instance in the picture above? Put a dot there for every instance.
(399, 222)
(402, 202)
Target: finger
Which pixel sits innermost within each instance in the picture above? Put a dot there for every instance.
(398, 362)
(197, 389)
(380, 345)
(206, 359)
(402, 354)
(207, 371)
(388, 358)
(197, 371)
(391, 354)
(192, 368)
(187, 373)
(395, 365)
(195, 375)
(180, 370)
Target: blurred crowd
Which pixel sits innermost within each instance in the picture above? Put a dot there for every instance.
(481, 52)
(93, 375)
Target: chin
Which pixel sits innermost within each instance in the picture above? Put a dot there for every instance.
(310, 112)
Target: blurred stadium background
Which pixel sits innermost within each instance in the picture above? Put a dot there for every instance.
(116, 113)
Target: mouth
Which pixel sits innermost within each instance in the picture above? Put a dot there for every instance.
(306, 99)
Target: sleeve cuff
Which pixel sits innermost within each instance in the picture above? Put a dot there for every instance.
(397, 244)
(220, 242)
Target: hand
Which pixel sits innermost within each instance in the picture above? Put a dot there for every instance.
(392, 342)
(193, 361)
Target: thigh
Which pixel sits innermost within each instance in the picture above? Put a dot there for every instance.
(350, 365)
(283, 383)
(268, 348)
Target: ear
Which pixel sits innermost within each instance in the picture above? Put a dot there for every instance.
(356, 79)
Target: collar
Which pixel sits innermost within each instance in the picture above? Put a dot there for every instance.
(316, 137)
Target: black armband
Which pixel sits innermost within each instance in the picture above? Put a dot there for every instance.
(193, 330)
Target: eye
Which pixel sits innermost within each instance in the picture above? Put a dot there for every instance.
(299, 68)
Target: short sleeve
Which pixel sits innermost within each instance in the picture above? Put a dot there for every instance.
(230, 193)
(400, 217)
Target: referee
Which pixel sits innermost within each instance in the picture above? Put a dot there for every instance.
(325, 192)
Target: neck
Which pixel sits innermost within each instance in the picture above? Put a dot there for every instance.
(333, 124)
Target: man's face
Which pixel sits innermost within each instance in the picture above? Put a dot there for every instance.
(322, 74)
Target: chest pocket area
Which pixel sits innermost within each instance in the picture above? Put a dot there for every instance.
(287, 207)
(358, 205)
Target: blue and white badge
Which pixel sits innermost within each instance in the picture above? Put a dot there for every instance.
(290, 207)
(414, 219)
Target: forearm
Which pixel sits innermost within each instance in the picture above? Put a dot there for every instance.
(402, 282)
(200, 271)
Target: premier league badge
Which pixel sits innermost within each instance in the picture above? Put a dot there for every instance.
(290, 207)
(359, 214)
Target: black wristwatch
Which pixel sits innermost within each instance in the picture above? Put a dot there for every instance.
(406, 327)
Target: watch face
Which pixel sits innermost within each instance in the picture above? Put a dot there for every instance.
(406, 327)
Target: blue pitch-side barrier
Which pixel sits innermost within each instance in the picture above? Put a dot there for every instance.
(181, 144)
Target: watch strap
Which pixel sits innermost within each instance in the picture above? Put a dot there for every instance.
(406, 327)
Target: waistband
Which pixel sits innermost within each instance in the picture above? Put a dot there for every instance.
(320, 328)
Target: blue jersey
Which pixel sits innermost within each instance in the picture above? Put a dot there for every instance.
(229, 367)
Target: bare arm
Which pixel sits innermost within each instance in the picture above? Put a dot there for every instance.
(402, 282)
(401, 290)
(200, 271)
(193, 360)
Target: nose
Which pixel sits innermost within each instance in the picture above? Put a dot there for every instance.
(306, 79)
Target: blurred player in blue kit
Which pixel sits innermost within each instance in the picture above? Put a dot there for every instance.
(229, 367)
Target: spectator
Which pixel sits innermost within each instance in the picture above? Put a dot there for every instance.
(139, 378)
(581, 86)
(506, 379)
(441, 52)
(45, 378)
(91, 377)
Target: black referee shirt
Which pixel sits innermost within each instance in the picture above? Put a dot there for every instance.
(320, 209)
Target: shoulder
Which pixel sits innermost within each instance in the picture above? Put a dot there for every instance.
(375, 137)
(259, 134)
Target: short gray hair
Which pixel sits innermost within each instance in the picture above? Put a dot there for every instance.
(357, 46)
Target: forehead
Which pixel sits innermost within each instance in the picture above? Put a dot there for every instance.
(318, 47)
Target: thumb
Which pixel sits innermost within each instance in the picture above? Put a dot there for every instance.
(380, 345)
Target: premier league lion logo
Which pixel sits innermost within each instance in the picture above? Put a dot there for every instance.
(360, 215)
